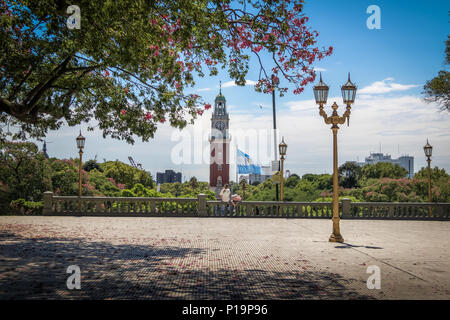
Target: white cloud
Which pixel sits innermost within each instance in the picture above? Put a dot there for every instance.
(320, 69)
(403, 120)
(229, 84)
(386, 86)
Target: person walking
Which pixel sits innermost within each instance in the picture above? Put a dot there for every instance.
(225, 196)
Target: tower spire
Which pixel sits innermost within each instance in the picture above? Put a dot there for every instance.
(220, 87)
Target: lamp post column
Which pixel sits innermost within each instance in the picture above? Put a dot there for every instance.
(429, 185)
(79, 174)
(282, 178)
(336, 234)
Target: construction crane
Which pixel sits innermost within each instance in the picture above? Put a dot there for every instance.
(137, 166)
(132, 162)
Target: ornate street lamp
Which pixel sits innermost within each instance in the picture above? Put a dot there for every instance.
(321, 92)
(80, 144)
(348, 95)
(428, 149)
(282, 148)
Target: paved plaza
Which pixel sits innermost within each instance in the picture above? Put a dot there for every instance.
(221, 258)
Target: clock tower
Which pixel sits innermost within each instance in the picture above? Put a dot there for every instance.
(219, 168)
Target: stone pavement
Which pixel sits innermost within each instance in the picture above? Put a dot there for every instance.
(221, 258)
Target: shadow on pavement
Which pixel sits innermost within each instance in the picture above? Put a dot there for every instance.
(348, 245)
(35, 268)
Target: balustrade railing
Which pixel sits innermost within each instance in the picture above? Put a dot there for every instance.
(270, 209)
(123, 206)
(200, 207)
(399, 210)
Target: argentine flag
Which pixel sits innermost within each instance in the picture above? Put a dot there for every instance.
(244, 164)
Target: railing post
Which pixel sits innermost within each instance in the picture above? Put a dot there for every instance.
(98, 206)
(201, 205)
(48, 202)
(346, 208)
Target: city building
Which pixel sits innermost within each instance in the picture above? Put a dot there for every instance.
(404, 161)
(266, 173)
(168, 176)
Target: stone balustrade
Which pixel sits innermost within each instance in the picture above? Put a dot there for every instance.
(119, 206)
(201, 207)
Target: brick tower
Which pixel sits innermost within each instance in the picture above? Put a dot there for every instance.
(219, 168)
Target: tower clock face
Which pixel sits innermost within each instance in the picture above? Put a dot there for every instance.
(220, 125)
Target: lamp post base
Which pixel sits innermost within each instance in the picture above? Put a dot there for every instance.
(336, 238)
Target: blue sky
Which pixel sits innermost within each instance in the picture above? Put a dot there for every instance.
(389, 66)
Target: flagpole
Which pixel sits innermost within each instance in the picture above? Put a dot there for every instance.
(275, 134)
(237, 182)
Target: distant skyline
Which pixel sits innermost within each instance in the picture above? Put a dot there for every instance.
(389, 66)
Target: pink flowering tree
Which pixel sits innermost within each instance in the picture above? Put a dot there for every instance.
(126, 70)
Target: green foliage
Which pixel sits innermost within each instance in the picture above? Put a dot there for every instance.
(383, 170)
(321, 181)
(91, 165)
(330, 199)
(435, 173)
(292, 181)
(128, 67)
(401, 190)
(437, 90)
(127, 193)
(193, 183)
(188, 189)
(127, 175)
(24, 170)
(23, 207)
(65, 177)
(349, 174)
(313, 187)
(105, 185)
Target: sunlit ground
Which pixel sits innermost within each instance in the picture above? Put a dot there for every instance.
(221, 258)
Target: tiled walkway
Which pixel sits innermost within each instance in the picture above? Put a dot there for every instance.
(221, 258)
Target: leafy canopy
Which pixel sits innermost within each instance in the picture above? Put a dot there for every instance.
(126, 69)
(438, 89)
(24, 171)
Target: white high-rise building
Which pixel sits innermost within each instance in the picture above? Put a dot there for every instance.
(405, 161)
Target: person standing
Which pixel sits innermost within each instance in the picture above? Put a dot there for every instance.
(225, 196)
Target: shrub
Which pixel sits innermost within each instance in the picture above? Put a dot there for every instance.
(23, 207)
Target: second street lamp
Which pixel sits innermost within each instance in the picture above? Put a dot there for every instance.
(348, 96)
(80, 144)
(428, 149)
(282, 148)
